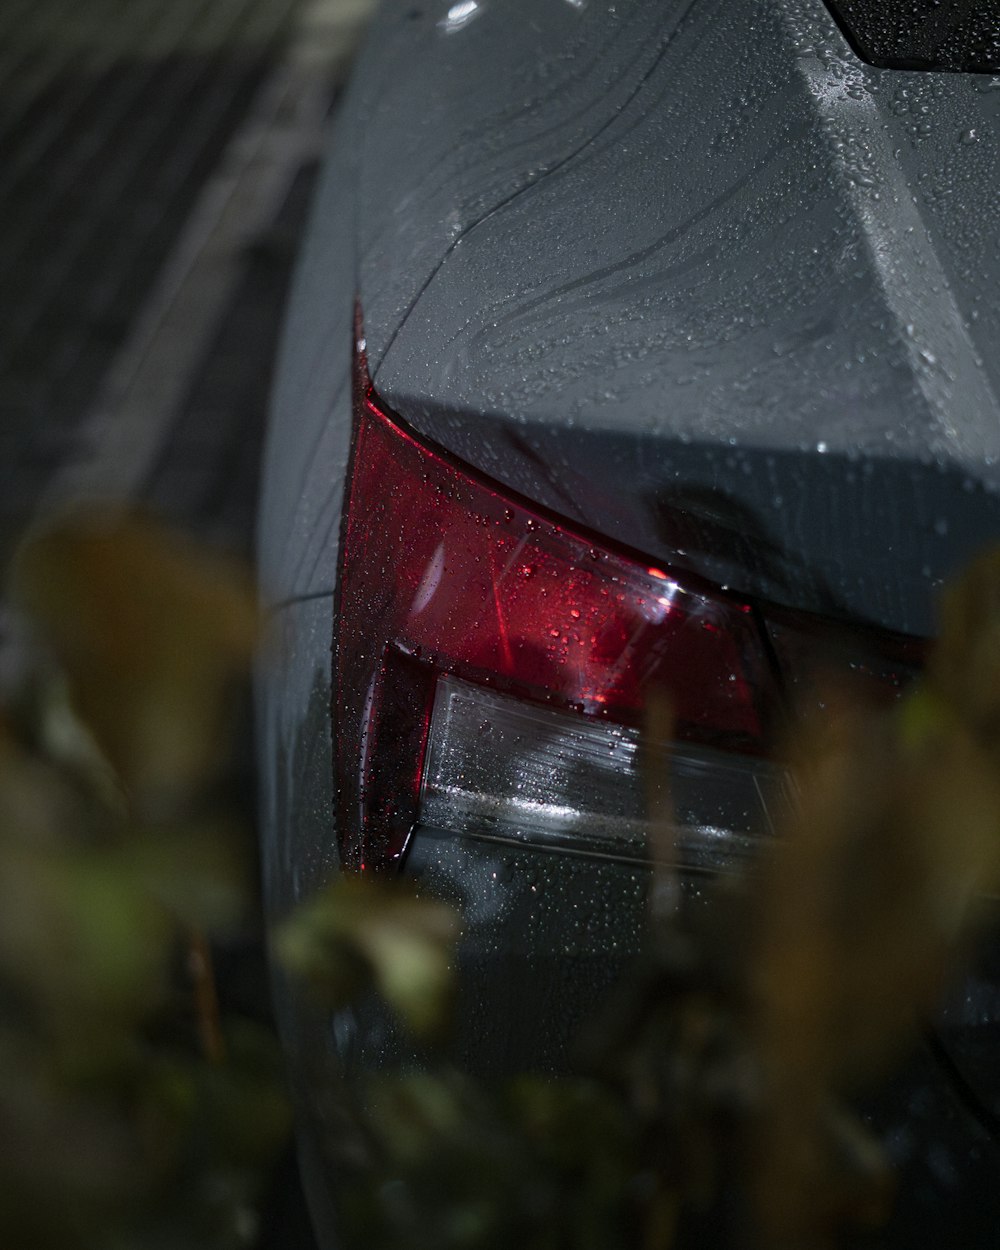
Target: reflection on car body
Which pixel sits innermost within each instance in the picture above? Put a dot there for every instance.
(677, 369)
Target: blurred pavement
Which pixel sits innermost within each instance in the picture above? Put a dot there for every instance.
(156, 158)
(156, 163)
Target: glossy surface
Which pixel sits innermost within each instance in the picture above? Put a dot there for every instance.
(924, 34)
(442, 572)
(501, 769)
(691, 275)
(753, 318)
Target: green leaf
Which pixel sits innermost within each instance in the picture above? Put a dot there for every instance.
(359, 932)
(149, 633)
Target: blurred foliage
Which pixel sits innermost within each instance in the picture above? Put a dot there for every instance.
(456, 1162)
(875, 893)
(362, 932)
(133, 1113)
(713, 1101)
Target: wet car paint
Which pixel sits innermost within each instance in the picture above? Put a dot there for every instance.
(754, 334)
(691, 274)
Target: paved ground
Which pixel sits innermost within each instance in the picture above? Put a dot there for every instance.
(157, 158)
(114, 114)
(155, 162)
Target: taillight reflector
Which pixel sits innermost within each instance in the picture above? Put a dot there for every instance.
(445, 572)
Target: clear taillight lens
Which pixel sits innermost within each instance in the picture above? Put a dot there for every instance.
(503, 769)
(462, 605)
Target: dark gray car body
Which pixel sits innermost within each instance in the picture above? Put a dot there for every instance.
(689, 273)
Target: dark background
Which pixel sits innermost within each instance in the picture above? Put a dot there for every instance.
(157, 160)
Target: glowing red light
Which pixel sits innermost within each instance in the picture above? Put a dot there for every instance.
(418, 516)
(443, 571)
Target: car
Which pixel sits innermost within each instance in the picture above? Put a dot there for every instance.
(633, 348)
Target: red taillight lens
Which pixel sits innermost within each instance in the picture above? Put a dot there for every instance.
(444, 572)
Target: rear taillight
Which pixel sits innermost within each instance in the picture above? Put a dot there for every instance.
(495, 667)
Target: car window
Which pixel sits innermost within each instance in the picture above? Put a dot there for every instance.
(957, 35)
